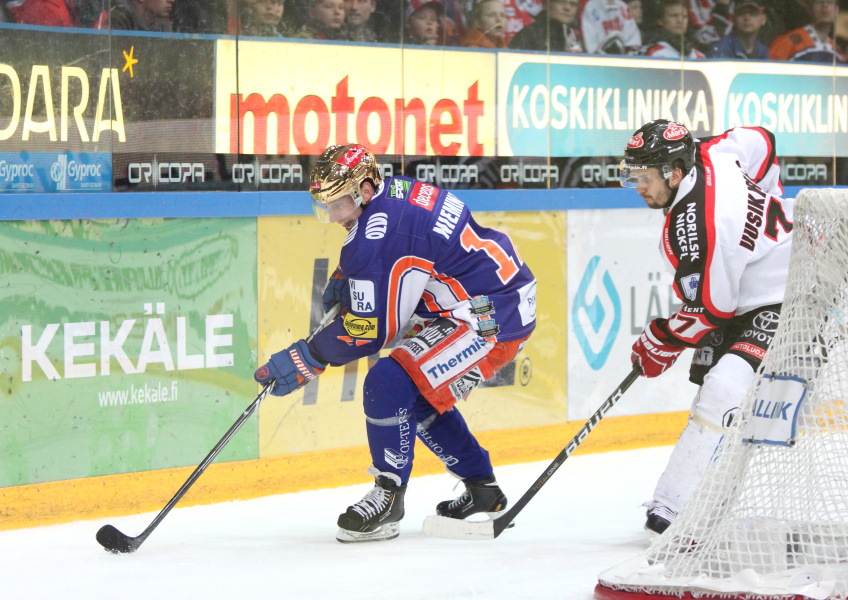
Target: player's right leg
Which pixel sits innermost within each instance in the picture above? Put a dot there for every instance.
(389, 397)
(714, 407)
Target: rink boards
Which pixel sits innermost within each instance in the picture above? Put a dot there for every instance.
(130, 343)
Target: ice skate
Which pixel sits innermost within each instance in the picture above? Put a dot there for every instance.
(375, 517)
(480, 496)
(659, 517)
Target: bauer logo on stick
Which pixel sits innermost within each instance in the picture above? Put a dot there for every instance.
(675, 131)
(636, 141)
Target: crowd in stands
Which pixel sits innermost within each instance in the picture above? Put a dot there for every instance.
(793, 30)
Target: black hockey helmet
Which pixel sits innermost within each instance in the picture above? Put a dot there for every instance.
(657, 144)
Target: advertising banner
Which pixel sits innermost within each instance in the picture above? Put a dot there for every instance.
(128, 345)
(617, 283)
(298, 98)
(573, 106)
(80, 96)
(808, 114)
(328, 413)
(55, 172)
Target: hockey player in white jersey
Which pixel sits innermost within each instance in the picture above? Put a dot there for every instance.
(608, 27)
(726, 239)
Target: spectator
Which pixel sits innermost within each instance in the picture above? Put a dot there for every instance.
(51, 13)
(671, 39)
(553, 30)
(189, 16)
(812, 42)
(638, 13)
(841, 27)
(358, 20)
(141, 15)
(265, 19)
(325, 22)
(635, 7)
(608, 27)
(783, 16)
(488, 25)
(749, 16)
(388, 21)
(709, 20)
(425, 23)
(92, 13)
(520, 14)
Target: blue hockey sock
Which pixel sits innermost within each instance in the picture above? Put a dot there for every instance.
(449, 438)
(389, 396)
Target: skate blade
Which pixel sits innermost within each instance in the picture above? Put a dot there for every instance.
(458, 529)
(389, 531)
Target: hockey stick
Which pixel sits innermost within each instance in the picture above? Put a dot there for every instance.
(115, 541)
(458, 529)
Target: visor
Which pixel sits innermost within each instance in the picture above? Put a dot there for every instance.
(629, 179)
(320, 211)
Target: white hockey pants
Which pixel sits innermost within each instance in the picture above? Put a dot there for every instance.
(715, 405)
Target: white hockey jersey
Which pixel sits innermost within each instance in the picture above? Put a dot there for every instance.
(662, 49)
(727, 234)
(608, 27)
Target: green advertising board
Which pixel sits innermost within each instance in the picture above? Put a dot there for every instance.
(127, 345)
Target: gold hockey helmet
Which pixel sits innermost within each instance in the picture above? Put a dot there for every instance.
(339, 172)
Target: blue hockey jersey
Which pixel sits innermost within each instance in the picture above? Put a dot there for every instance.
(416, 250)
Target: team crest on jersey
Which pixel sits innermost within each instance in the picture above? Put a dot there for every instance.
(689, 286)
(675, 131)
(636, 141)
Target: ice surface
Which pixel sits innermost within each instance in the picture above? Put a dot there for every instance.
(587, 518)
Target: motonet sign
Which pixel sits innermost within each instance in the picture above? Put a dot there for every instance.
(392, 101)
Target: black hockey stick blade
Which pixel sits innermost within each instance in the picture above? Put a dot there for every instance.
(458, 529)
(114, 541)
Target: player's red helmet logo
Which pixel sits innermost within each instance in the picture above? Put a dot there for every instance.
(352, 156)
(315, 186)
(675, 131)
(636, 141)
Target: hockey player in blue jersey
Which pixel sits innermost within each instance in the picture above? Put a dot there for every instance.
(413, 254)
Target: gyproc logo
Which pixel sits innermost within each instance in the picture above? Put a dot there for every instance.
(596, 320)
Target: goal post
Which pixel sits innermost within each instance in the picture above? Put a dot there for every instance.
(769, 519)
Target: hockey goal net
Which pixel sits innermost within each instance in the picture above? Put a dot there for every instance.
(769, 519)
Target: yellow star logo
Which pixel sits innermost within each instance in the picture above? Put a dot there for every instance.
(130, 61)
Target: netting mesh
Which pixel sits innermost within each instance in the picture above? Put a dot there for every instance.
(771, 520)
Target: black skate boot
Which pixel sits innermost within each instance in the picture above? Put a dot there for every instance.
(376, 516)
(480, 496)
(659, 517)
